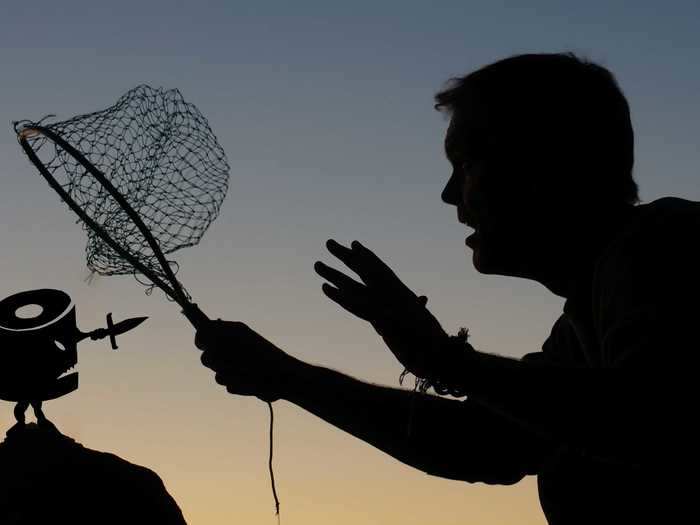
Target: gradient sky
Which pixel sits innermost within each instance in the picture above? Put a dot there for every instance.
(325, 112)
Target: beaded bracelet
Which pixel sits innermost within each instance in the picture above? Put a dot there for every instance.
(423, 384)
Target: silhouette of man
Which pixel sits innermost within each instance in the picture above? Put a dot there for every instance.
(541, 149)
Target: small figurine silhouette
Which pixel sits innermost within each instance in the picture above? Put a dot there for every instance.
(39, 338)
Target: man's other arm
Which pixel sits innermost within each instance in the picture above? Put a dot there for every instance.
(443, 437)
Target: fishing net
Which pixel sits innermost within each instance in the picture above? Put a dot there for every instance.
(146, 177)
(159, 153)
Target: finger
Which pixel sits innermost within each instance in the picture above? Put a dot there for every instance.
(221, 333)
(376, 270)
(209, 333)
(346, 255)
(208, 360)
(220, 379)
(237, 384)
(339, 279)
(216, 358)
(353, 304)
(383, 318)
(242, 381)
(352, 259)
(203, 337)
(233, 379)
(371, 269)
(243, 390)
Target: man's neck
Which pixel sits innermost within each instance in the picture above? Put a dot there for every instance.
(568, 267)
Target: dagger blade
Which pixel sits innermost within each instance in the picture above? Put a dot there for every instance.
(126, 325)
(115, 329)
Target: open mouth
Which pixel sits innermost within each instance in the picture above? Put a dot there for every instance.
(65, 383)
(69, 372)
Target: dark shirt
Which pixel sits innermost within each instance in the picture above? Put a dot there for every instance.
(637, 312)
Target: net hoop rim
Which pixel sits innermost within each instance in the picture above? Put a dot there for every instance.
(174, 290)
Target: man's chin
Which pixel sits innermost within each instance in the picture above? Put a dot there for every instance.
(480, 265)
(485, 263)
(474, 244)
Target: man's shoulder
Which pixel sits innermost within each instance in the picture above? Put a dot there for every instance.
(560, 348)
(666, 213)
(659, 235)
(671, 203)
(669, 215)
(653, 259)
(645, 283)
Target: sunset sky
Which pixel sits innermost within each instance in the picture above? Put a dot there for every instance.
(325, 112)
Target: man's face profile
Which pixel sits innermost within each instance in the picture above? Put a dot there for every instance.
(495, 193)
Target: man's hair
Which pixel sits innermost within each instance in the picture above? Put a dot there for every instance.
(561, 109)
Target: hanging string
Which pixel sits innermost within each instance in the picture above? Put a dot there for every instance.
(269, 464)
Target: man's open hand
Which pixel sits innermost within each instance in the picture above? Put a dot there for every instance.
(245, 362)
(400, 317)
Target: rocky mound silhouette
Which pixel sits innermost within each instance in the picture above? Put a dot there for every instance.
(48, 478)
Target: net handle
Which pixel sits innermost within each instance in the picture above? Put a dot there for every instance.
(174, 290)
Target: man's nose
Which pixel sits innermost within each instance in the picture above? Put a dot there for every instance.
(452, 192)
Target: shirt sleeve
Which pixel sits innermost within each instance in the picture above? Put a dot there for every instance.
(561, 348)
(487, 447)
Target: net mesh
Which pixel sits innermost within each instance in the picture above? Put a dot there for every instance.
(160, 154)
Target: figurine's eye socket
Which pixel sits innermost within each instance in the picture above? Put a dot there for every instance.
(29, 311)
(59, 345)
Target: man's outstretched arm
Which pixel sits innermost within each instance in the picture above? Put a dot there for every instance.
(608, 414)
(446, 438)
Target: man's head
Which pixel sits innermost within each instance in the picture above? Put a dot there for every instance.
(540, 145)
